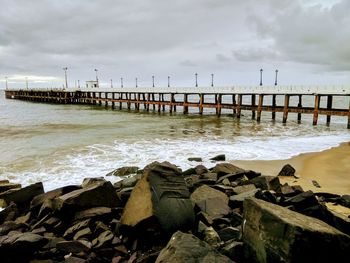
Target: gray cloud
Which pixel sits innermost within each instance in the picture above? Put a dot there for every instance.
(146, 37)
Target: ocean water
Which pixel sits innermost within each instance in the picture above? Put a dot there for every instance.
(62, 144)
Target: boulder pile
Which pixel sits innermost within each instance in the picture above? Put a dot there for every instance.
(162, 214)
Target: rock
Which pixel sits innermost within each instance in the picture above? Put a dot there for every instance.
(266, 182)
(40, 199)
(220, 157)
(267, 195)
(345, 201)
(76, 227)
(211, 201)
(234, 250)
(93, 212)
(187, 248)
(209, 234)
(103, 239)
(229, 233)
(92, 181)
(189, 171)
(244, 188)
(226, 168)
(75, 246)
(162, 194)
(272, 233)
(102, 194)
(9, 213)
(316, 184)
(72, 259)
(207, 175)
(84, 233)
(19, 247)
(201, 169)
(302, 200)
(24, 195)
(237, 200)
(288, 191)
(128, 182)
(234, 179)
(122, 171)
(8, 226)
(195, 159)
(8, 186)
(287, 170)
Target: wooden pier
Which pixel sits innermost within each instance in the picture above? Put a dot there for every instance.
(256, 99)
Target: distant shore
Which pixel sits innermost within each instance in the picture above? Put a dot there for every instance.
(329, 168)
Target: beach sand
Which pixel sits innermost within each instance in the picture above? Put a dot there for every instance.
(329, 168)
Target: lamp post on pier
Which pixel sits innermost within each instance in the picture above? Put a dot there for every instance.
(196, 79)
(98, 85)
(26, 82)
(111, 83)
(212, 80)
(136, 82)
(6, 82)
(121, 82)
(65, 76)
(168, 81)
(276, 71)
(153, 81)
(261, 71)
(78, 84)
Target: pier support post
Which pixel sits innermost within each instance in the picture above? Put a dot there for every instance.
(329, 108)
(128, 96)
(218, 104)
(317, 105)
(253, 106)
(260, 104)
(113, 98)
(273, 107)
(106, 99)
(153, 102)
(137, 104)
(120, 102)
(201, 100)
(185, 104)
(239, 104)
(159, 101)
(171, 102)
(148, 101)
(100, 98)
(299, 108)
(234, 103)
(285, 109)
(144, 101)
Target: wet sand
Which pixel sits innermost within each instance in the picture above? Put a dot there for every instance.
(329, 168)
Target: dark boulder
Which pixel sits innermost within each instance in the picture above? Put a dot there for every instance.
(187, 248)
(211, 201)
(220, 157)
(226, 168)
(265, 182)
(195, 159)
(272, 233)
(162, 194)
(24, 195)
(287, 170)
(101, 194)
(123, 171)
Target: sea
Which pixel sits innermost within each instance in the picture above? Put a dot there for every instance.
(63, 144)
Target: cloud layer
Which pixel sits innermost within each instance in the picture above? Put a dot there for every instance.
(308, 41)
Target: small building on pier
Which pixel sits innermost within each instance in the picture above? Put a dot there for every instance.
(91, 84)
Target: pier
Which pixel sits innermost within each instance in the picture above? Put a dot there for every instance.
(255, 99)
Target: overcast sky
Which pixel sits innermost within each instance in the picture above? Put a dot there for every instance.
(308, 41)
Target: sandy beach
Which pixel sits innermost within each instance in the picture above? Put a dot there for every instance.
(329, 168)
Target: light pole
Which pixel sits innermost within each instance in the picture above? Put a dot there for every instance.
(6, 82)
(196, 79)
(26, 82)
(168, 81)
(153, 81)
(65, 76)
(78, 84)
(121, 82)
(98, 85)
(261, 71)
(276, 71)
(111, 83)
(212, 80)
(136, 82)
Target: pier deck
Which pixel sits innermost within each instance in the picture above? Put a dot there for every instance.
(229, 97)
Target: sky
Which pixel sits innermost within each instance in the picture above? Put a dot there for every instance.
(308, 41)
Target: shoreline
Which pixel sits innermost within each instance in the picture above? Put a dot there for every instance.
(329, 168)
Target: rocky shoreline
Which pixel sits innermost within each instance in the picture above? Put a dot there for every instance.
(163, 214)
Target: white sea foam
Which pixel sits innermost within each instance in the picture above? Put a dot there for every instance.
(99, 159)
